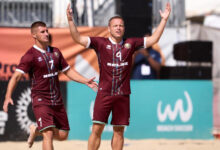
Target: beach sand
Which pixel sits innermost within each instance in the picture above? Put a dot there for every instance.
(149, 144)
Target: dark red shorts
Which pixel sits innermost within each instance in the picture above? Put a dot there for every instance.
(118, 105)
(51, 116)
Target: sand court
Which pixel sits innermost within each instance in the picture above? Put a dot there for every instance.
(149, 144)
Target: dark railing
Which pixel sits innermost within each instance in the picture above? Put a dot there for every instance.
(21, 13)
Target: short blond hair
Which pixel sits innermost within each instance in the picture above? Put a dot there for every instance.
(114, 17)
(37, 24)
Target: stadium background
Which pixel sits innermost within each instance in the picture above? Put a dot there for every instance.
(156, 106)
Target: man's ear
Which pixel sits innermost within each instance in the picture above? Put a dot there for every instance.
(108, 29)
(34, 35)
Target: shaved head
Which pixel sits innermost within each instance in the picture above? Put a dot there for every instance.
(36, 25)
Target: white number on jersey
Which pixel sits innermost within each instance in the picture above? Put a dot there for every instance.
(51, 64)
(118, 54)
(40, 120)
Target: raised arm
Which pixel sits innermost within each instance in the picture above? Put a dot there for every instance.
(11, 86)
(159, 30)
(82, 40)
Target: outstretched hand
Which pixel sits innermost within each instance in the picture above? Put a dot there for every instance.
(6, 102)
(69, 13)
(92, 84)
(166, 12)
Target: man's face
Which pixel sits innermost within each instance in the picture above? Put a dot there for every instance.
(41, 34)
(116, 28)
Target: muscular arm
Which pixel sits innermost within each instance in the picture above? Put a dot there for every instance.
(159, 30)
(82, 40)
(75, 76)
(11, 86)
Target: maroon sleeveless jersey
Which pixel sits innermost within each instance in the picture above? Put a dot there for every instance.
(43, 68)
(115, 60)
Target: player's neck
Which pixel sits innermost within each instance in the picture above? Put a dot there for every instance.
(41, 45)
(116, 40)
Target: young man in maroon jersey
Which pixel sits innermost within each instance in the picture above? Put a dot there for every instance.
(115, 60)
(43, 64)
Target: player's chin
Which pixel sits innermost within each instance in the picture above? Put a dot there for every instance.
(45, 41)
(118, 36)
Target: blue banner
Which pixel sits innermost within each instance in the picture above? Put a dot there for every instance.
(174, 109)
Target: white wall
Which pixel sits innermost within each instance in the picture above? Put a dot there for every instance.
(201, 7)
(59, 13)
(169, 37)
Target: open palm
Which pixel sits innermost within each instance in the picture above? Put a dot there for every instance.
(69, 12)
(165, 14)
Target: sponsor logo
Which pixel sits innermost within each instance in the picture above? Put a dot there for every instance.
(56, 54)
(108, 46)
(50, 75)
(178, 110)
(3, 120)
(117, 65)
(22, 110)
(39, 59)
(127, 45)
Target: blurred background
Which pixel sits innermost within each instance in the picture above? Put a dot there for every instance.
(181, 101)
